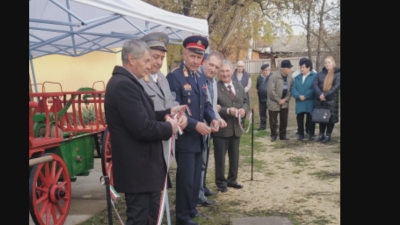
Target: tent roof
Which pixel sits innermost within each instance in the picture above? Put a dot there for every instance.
(78, 27)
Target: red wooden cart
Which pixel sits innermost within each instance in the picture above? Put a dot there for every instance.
(62, 146)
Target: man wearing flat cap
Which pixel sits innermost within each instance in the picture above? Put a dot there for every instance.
(191, 89)
(262, 83)
(278, 96)
(156, 86)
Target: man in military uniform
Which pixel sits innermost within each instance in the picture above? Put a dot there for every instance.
(156, 85)
(191, 89)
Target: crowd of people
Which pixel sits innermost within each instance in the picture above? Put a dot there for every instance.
(153, 118)
(311, 90)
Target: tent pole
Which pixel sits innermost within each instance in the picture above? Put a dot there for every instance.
(33, 71)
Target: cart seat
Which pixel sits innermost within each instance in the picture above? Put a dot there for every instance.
(87, 128)
(36, 142)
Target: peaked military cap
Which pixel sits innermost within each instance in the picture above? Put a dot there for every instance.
(156, 40)
(196, 43)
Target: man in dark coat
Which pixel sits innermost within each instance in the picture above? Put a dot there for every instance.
(191, 89)
(262, 83)
(137, 132)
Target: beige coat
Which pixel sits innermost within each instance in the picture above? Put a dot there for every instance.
(275, 89)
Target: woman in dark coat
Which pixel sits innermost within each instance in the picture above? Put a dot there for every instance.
(326, 89)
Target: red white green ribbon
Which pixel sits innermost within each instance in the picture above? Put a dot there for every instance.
(237, 115)
(171, 142)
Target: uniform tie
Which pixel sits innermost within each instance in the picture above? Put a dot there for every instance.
(231, 92)
(158, 84)
(194, 77)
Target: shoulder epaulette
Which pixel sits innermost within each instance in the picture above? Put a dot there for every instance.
(174, 69)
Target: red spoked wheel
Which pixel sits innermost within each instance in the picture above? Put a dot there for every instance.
(106, 156)
(50, 192)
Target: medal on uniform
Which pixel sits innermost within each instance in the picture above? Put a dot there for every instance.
(187, 87)
(146, 78)
(185, 73)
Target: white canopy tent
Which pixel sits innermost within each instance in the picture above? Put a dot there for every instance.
(77, 27)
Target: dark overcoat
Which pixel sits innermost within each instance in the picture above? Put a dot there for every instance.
(136, 133)
(332, 95)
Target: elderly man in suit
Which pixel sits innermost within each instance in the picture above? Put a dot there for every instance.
(278, 96)
(137, 132)
(233, 103)
(191, 89)
(209, 69)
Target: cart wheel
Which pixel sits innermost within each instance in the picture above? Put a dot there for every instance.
(106, 156)
(49, 192)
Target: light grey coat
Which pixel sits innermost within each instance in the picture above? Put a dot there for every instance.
(214, 104)
(161, 102)
(275, 89)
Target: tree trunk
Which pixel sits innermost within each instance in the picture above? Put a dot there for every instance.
(321, 27)
(308, 28)
(231, 28)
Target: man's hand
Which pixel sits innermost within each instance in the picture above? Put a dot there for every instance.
(322, 97)
(202, 128)
(232, 111)
(174, 123)
(302, 98)
(214, 126)
(218, 108)
(282, 101)
(242, 112)
(175, 109)
(222, 123)
(183, 121)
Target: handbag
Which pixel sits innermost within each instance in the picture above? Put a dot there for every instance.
(320, 115)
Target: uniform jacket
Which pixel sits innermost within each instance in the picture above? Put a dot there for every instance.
(194, 95)
(307, 90)
(332, 96)
(162, 100)
(274, 91)
(225, 101)
(136, 132)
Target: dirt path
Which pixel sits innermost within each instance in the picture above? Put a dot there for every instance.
(293, 178)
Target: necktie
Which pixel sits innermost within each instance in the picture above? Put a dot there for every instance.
(158, 84)
(194, 77)
(231, 92)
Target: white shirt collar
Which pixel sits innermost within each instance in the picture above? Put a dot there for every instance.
(232, 87)
(154, 77)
